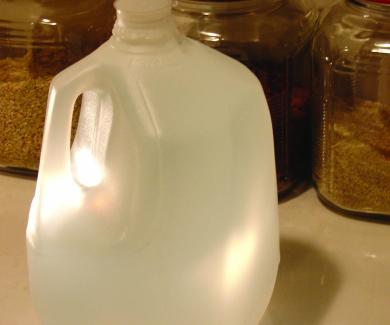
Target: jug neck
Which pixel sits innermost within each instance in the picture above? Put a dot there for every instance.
(145, 31)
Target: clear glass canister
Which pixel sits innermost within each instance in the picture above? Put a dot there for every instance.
(39, 38)
(272, 38)
(351, 56)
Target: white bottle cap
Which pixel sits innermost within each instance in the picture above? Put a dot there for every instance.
(143, 6)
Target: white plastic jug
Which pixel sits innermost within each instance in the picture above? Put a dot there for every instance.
(164, 211)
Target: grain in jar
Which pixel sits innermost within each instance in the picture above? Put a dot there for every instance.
(38, 39)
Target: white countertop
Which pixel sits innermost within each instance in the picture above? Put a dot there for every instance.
(334, 270)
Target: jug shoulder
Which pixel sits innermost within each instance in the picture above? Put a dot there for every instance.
(189, 57)
(220, 64)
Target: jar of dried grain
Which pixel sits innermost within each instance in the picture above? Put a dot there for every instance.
(39, 38)
(351, 165)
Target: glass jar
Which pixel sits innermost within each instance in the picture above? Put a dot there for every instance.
(39, 38)
(351, 55)
(272, 38)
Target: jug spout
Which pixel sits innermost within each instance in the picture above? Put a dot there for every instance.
(144, 25)
(144, 9)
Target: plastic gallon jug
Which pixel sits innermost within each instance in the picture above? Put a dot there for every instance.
(164, 210)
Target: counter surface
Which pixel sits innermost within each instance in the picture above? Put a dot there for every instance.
(334, 270)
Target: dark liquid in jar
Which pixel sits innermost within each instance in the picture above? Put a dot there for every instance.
(286, 84)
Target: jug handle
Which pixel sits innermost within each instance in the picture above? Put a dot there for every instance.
(64, 90)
